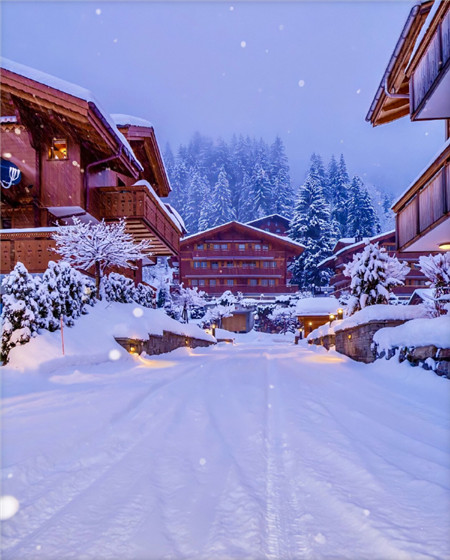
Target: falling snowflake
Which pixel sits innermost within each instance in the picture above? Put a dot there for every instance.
(98, 11)
(9, 506)
(281, 27)
(114, 355)
(17, 131)
(427, 133)
(115, 40)
(267, 51)
(358, 91)
(231, 8)
(243, 44)
(301, 83)
(202, 461)
(138, 312)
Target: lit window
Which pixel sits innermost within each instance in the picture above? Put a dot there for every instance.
(58, 149)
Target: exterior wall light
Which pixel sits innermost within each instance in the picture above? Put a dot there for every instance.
(445, 246)
(132, 349)
(349, 336)
(332, 317)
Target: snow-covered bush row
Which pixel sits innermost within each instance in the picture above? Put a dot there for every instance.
(121, 289)
(373, 274)
(33, 303)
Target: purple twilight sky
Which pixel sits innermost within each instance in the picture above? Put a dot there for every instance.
(306, 71)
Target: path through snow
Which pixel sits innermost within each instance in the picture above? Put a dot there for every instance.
(259, 450)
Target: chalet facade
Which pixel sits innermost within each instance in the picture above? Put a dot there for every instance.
(238, 257)
(417, 82)
(63, 156)
(346, 248)
(274, 224)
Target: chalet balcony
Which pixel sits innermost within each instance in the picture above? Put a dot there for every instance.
(430, 80)
(234, 271)
(217, 255)
(423, 213)
(146, 216)
(249, 290)
(32, 247)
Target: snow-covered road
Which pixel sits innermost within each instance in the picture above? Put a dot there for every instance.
(259, 450)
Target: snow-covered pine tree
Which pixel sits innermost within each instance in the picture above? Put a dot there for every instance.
(144, 295)
(310, 226)
(197, 194)
(284, 319)
(338, 188)
(221, 209)
(260, 193)
(19, 316)
(282, 192)
(362, 220)
(437, 269)
(86, 245)
(373, 275)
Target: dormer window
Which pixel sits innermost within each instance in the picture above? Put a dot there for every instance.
(58, 149)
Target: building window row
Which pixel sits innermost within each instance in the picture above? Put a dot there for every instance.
(239, 264)
(200, 282)
(227, 246)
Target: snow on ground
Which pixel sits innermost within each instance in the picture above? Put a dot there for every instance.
(262, 449)
(91, 339)
(418, 332)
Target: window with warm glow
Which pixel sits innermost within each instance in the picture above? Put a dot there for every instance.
(58, 149)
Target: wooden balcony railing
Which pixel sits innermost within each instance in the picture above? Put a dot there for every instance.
(137, 204)
(432, 65)
(210, 254)
(426, 207)
(232, 271)
(31, 247)
(246, 289)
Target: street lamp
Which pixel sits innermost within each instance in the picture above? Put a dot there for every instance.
(214, 326)
(332, 317)
(340, 313)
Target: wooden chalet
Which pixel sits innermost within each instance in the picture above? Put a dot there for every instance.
(346, 248)
(313, 312)
(274, 223)
(64, 156)
(417, 82)
(238, 257)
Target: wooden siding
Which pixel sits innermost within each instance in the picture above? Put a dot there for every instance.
(61, 180)
(31, 249)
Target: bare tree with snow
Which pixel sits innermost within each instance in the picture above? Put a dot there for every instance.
(102, 245)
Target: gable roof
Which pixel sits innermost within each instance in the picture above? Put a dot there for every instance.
(279, 216)
(298, 248)
(46, 92)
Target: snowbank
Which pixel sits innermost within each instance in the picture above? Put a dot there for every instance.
(91, 339)
(418, 332)
(317, 306)
(382, 312)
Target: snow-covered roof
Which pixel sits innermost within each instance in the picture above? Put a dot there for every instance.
(71, 89)
(317, 306)
(282, 238)
(267, 218)
(172, 217)
(382, 312)
(423, 293)
(29, 230)
(8, 119)
(424, 170)
(128, 120)
(363, 241)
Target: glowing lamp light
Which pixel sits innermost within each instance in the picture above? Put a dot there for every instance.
(332, 317)
(349, 336)
(445, 246)
(340, 313)
(310, 323)
(132, 349)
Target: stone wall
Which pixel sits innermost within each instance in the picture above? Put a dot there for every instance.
(157, 344)
(356, 342)
(428, 357)
(326, 341)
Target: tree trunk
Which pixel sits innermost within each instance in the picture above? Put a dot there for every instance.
(98, 277)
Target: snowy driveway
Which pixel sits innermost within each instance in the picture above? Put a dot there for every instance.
(258, 450)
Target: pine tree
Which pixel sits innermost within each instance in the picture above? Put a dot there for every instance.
(373, 274)
(197, 194)
(310, 226)
(283, 194)
(119, 288)
(259, 192)
(338, 188)
(221, 211)
(362, 220)
(19, 316)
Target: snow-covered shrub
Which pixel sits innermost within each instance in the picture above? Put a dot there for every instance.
(373, 274)
(185, 302)
(216, 314)
(144, 295)
(284, 319)
(20, 311)
(437, 269)
(101, 245)
(227, 298)
(262, 320)
(119, 288)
